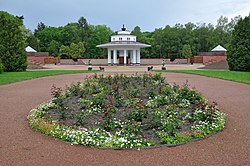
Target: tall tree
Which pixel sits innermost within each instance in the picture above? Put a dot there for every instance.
(47, 35)
(70, 33)
(12, 43)
(99, 34)
(41, 26)
(238, 56)
(84, 28)
(137, 32)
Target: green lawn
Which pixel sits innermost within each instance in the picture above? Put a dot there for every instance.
(237, 76)
(10, 77)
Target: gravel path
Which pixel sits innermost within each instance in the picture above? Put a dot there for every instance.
(20, 145)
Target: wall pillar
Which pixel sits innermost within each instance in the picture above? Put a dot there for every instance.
(109, 56)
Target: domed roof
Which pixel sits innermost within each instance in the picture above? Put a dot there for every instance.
(123, 31)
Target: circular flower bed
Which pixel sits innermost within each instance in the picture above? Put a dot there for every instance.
(127, 112)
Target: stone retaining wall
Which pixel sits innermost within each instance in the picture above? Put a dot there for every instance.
(105, 61)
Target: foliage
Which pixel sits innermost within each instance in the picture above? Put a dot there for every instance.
(186, 51)
(165, 41)
(31, 40)
(237, 76)
(47, 35)
(41, 26)
(64, 52)
(98, 35)
(1, 66)
(175, 139)
(12, 43)
(74, 51)
(84, 28)
(54, 48)
(239, 51)
(103, 111)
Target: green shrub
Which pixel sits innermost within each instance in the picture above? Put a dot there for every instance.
(239, 51)
(1, 66)
(12, 43)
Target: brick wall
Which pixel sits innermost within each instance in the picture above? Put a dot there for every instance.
(210, 57)
(206, 60)
(34, 60)
(38, 54)
(213, 59)
(198, 59)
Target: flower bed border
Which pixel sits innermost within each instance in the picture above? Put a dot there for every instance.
(102, 139)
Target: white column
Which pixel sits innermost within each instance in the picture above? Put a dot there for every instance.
(109, 56)
(131, 56)
(125, 57)
(115, 57)
(134, 57)
(138, 58)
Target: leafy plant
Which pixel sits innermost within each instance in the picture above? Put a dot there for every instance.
(178, 138)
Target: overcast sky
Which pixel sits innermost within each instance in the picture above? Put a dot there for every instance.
(148, 14)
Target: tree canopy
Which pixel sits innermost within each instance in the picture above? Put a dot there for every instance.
(200, 37)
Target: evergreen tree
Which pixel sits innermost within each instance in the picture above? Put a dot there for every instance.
(41, 26)
(84, 28)
(12, 43)
(239, 50)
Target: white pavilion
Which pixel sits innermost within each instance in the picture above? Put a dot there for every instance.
(123, 48)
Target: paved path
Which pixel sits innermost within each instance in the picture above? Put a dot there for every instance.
(20, 145)
(127, 68)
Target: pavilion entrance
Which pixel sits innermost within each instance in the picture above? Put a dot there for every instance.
(121, 60)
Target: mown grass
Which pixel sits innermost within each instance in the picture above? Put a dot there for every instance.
(11, 77)
(237, 76)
